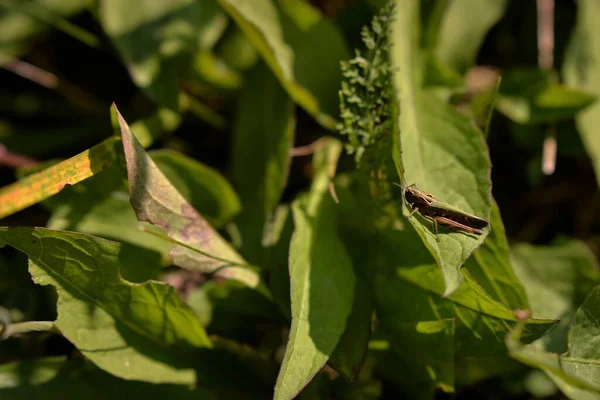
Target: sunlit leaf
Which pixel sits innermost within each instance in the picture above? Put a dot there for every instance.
(40, 186)
(439, 150)
(119, 325)
(155, 200)
(321, 279)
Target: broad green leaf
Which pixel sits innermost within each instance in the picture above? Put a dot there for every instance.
(120, 326)
(464, 26)
(155, 199)
(424, 357)
(263, 135)
(408, 288)
(157, 40)
(202, 186)
(262, 25)
(440, 151)
(557, 280)
(321, 278)
(576, 372)
(532, 96)
(492, 269)
(77, 379)
(46, 183)
(580, 71)
(21, 21)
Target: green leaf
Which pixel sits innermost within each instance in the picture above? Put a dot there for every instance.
(262, 25)
(261, 157)
(321, 278)
(531, 96)
(155, 199)
(440, 151)
(577, 372)
(157, 40)
(408, 287)
(580, 71)
(557, 280)
(202, 186)
(120, 326)
(464, 26)
(492, 269)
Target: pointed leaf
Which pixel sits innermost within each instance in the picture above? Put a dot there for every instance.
(204, 187)
(156, 200)
(440, 151)
(321, 279)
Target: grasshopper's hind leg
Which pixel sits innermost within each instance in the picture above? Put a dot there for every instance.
(435, 227)
(414, 210)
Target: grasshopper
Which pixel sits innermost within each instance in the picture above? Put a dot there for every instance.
(440, 213)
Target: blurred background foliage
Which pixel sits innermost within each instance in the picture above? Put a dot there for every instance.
(200, 79)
